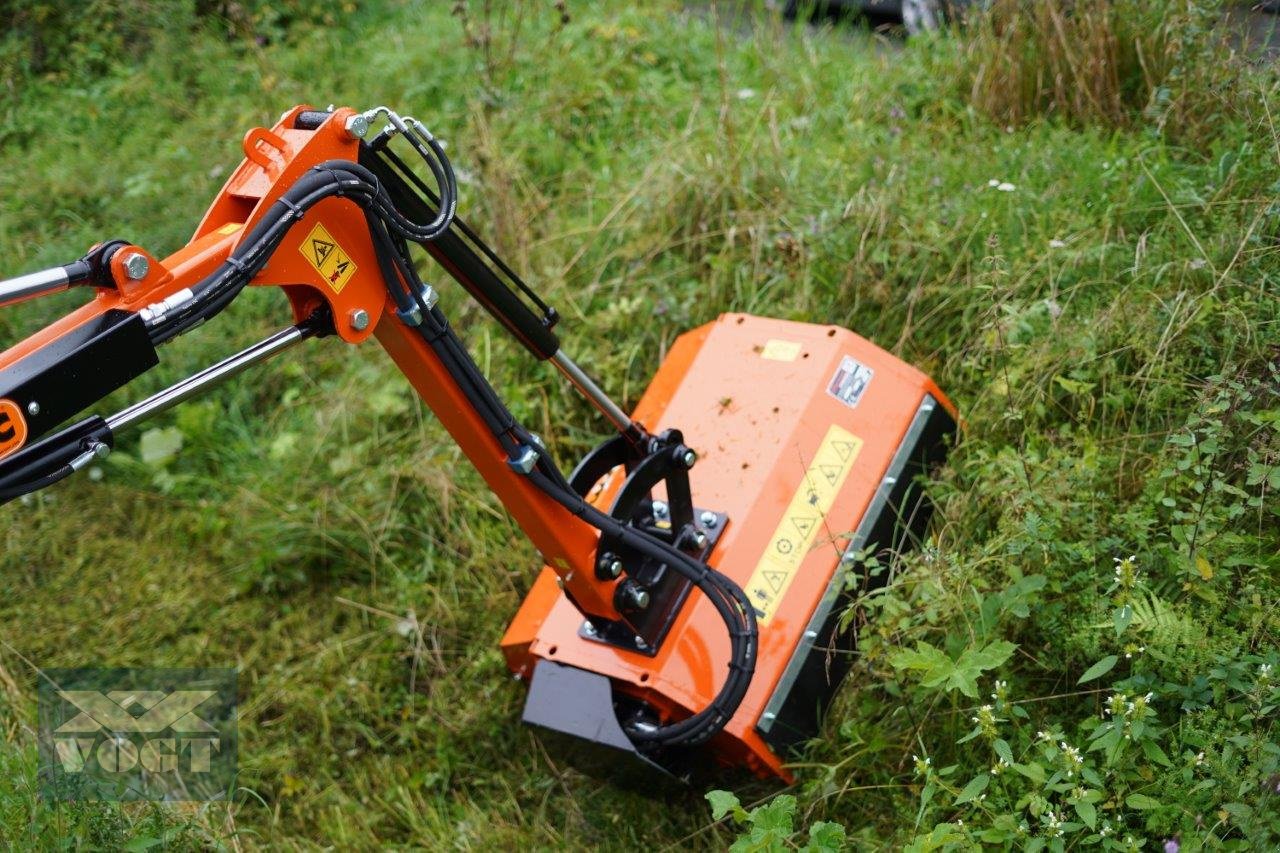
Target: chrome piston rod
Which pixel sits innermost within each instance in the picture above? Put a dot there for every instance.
(592, 391)
(34, 284)
(210, 376)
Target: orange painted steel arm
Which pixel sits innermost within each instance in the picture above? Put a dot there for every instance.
(274, 160)
(567, 543)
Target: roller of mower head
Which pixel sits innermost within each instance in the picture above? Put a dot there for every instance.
(811, 441)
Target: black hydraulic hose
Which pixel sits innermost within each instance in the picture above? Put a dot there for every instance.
(726, 596)
(11, 493)
(335, 178)
(723, 594)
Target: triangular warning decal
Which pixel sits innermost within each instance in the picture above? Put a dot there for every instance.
(843, 449)
(321, 249)
(776, 579)
(831, 472)
(803, 523)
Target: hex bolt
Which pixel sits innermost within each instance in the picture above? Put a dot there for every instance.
(136, 266)
(608, 567)
(33, 408)
(700, 539)
(689, 458)
(359, 319)
(358, 126)
(709, 518)
(661, 510)
(588, 628)
(636, 595)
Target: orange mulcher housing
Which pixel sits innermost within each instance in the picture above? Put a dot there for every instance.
(811, 441)
(784, 455)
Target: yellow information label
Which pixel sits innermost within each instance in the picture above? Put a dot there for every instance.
(777, 350)
(804, 519)
(329, 259)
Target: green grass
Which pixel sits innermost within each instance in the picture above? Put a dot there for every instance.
(1108, 330)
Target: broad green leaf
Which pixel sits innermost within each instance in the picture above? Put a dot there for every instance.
(991, 655)
(1099, 669)
(1141, 801)
(925, 659)
(776, 815)
(825, 837)
(1121, 618)
(1032, 771)
(722, 803)
(1152, 750)
(138, 845)
(1087, 813)
(976, 786)
(937, 668)
(1002, 749)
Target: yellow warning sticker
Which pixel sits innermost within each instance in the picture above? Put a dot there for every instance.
(803, 520)
(329, 259)
(779, 350)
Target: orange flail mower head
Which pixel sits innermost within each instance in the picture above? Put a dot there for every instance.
(810, 441)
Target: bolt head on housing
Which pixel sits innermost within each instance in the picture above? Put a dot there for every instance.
(690, 458)
(609, 567)
(358, 126)
(136, 266)
(637, 596)
(359, 319)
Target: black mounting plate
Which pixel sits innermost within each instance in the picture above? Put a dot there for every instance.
(653, 629)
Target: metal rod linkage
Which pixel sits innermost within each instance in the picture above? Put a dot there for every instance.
(593, 392)
(212, 375)
(34, 284)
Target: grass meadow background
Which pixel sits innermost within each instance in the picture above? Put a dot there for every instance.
(1066, 213)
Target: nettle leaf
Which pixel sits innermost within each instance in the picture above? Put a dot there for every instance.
(976, 786)
(1087, 813)
(937, 668)
(1002, 749)
(1099, 669)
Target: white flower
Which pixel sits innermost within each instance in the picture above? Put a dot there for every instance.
(746, 94)
(1057, 244)
(1006, 187)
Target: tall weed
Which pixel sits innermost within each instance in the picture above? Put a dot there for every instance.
(1119, 63)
